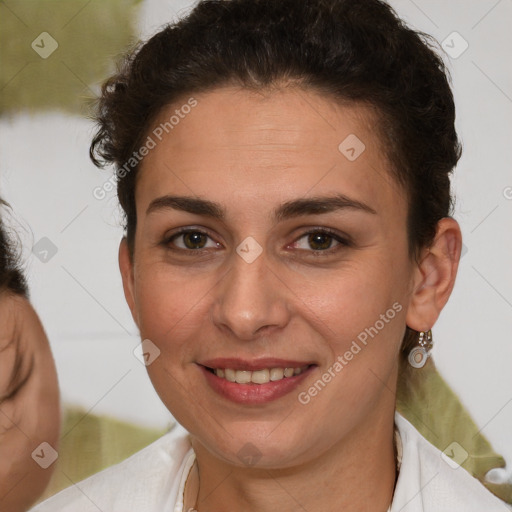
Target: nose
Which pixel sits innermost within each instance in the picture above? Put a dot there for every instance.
(250, 300)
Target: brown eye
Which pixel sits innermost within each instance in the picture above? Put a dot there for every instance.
(193, 239)
(320, 241)
(189, 240)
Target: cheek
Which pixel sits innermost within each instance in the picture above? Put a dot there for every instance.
(171, 303)
(344, 302)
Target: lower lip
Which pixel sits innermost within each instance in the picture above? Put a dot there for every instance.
(254, 393)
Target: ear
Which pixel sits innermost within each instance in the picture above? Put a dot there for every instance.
(435, 276)
(127, 274)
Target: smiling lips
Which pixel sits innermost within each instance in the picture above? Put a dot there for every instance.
(254, 382)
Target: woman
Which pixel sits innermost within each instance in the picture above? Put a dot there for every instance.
(284, 171)
(29, 395)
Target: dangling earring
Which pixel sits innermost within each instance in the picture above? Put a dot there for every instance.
(418, 355)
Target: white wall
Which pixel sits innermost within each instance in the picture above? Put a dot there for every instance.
(46, 175)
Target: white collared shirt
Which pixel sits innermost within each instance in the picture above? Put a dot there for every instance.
(153, 480)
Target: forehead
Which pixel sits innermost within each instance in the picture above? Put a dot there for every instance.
(266, 146)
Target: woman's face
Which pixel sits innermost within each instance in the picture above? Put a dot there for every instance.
(258, 285)
(29, 405)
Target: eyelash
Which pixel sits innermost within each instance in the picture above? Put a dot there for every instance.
(316, 253)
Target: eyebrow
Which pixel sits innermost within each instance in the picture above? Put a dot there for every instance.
(287, 210)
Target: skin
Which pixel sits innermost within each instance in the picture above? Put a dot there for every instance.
(250, 152)
(31, 415)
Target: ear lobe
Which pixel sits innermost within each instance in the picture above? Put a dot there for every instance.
(435, 276)
(127, 275)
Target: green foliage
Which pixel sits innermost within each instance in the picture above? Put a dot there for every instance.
(89, 34)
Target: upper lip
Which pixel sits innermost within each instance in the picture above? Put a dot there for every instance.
(253, 364)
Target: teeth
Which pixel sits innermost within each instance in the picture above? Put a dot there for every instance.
(288, 372)
(229, 375)
(276, 374)
(242, 377)
(258, 376)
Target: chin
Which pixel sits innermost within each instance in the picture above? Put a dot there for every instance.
(258, 447)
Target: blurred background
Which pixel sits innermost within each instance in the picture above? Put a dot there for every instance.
(54, 56)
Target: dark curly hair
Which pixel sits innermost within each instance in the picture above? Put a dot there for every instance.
(12, 279)
(12, 284)
(355, 51)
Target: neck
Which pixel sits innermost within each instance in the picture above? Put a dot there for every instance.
(357, 473)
